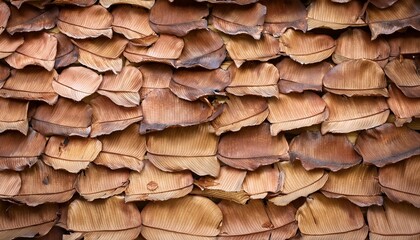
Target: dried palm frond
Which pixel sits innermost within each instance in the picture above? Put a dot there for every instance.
(15, 115)
(387, 144)
(155, 76)
(18, 151)
(142, 3)
(405, 74)
(405, 44)
(264, 180)
(404, 108)
(4, 15)
(11, 184)
(192, 217)
(9, 44)
(31, 19)
(67, 53)
(66, 118)
(132, 22)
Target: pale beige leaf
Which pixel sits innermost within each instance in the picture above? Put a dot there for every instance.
(229, 180)
(16, 117)
(260, 182)
(240, 197)
(132, 22)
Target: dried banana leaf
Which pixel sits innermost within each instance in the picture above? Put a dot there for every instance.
(264, 180)
(15, 115)
(4, 16)
(11, 184)
(66, 117)
(155, 76)
(31, 19)
(132, 22)
(37, 3)
(404, 108)
(9, 44)
(142, 3)
(4, 74)
(406, 75)
(405, 44)
(383, 3)
(18, 151)
(238, 2)
(80, 3)
(67, 53)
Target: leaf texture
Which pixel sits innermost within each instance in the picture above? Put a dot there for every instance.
(9, 44)
(403, 107)
(31, 19)
(4, 15)
(11, 184)
(67, 53)
(405, 74)
(132, 22)
(142, 3)
(403, 44)
(264, 180)
(16, 117)
(155, 76)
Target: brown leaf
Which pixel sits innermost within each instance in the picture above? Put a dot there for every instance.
(155, 76)
(66, 117)
(356, 78)
(295, 110)
(406, 75)
(403, 107)
(387, 144)
(4, 16)
(18, 151)
(178, 18)
(67, 53)
(31, 84)
(37, 3)
(333, 152)
(405, 44)
(9, 44)
(264, 180)
(295, 77)
(254, 79)
(177, 149)
(15, 117)
(132, 22)
(11, 184)
(306, 48)
(282, 15)
(156, 185)
(71, 153)
(4, 74)
(383, 3)
(76, 83)
(192, 217)
(31, 19)
(192, 84)
(252, 147)
(142, 3)
(354, 113)
(80, 3)
(238, 2)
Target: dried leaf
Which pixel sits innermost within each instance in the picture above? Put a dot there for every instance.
(123, 149)
(254, 79)
(155, 76)
(178, 18)
(399, 181)
(333, 152)
(238, 2)
(260, 182)
(295, 77)
(356, 78)
(234, 21)
(192, 84)
(142, 3)
(383, 3)
(132, 22)
(252, 147)
(9, 44)
(4, 16)
(67, 53)
(403, 107)
(356, 44)
(66, 118)
(87, 22)
(255, 220)
(295, 110)
(31, 84)
(11, 183)
(306, 48)
(38, 49)
(111, 218)
(163, 109)
(406, 75)
(42, 184)
(77, 83)
(37, 3)
(354, 113)
(155, 185)
(387, 144)
(330, 219)
(97, 182)
(15, 117)
(18, 151)
(192, 217)
(284, 14)
(71, 153)
(405, 44)
(31, 19)
(177, 149)
(80, 3)
(4, 74)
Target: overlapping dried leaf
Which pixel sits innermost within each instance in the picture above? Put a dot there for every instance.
(15, 115)
(132, 22)
(4, 15)
(11, 183)
(142, 3)
(405, 74)
(31, 19)
(155, 76)
(262, 181)
(67, 53)
(404, 108)
(9, 44)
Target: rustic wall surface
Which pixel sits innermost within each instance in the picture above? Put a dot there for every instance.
(209, 119)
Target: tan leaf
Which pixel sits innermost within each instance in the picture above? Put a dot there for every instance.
(298, 182)
(87, 22)
(142, 3)
(61, 119)
(18, 151)
(383, 3)
(393, 221)
(177, 149)
(255, 220)
(254, 79)
(239, 2)
(155, 185)
(4, 74)
(306, 48)
(163, 109)
(333, 152)
(356, 78)
(80, 3)
(31, 19)
(252, 147)
(263, 180)
(111, 218)
(67, 53)
(76, 83)
(178, 18)
(123, 149)
(405, 44)
(330, 219)
(192, 217)
(37, 3)
(203, 48)
(42, 184)
(98, 182)
(282, 15)
(295, 77)
(356, 44)
(4, 16)
(155, 76)
(15, 117)
(400, 15)
(241, 112)
(399, 181)
(354, 113)
(240, 197)
(192, 84)
(71, 153)
(234, 21)
(11, 183)
(403, 107)
(387, 144)
(405, 74)
(295, 110)
(9, 44)
(132, 22)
